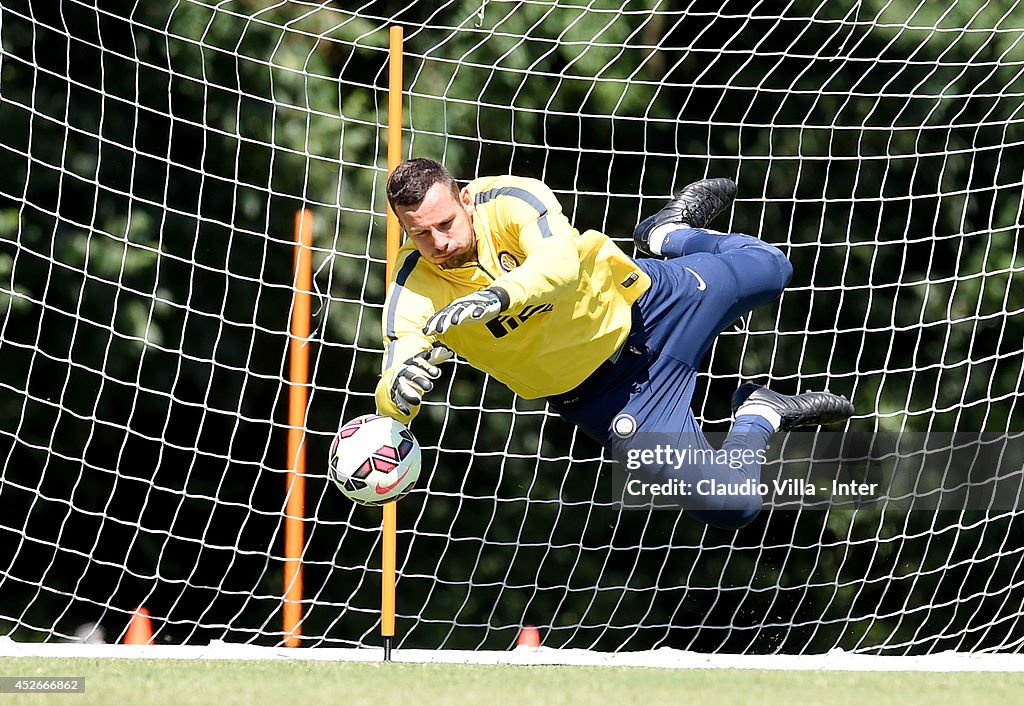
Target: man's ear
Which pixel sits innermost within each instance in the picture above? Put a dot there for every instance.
(466, 198)
(399, 219)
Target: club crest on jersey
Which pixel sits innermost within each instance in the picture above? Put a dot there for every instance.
(507, 261)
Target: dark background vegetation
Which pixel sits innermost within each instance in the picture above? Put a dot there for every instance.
(154, 155)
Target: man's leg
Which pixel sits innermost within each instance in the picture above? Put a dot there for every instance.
(709, 280)
(694, 298)
(657, 438)
(693, 207)
(734, 273)
(644, 398)
(676, 320)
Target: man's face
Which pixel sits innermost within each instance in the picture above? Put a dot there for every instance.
(441, 227)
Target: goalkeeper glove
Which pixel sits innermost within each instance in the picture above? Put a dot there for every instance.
(415, 378)
(479, 307)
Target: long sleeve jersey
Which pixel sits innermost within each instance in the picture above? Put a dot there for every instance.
(570, 295)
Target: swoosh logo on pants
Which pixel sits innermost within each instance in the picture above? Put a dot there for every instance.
(701, 284)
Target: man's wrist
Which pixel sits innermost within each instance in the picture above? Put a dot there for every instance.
(385, 405)
(502, 295)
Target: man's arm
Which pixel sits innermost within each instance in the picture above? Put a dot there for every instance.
(550, 264)
(531, 214)
(410, 360)
(401, 388)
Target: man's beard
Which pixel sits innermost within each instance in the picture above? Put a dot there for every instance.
(458, 260)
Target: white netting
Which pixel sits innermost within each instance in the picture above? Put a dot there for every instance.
(155, 155)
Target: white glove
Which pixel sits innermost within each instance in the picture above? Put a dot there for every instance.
(479, 307)
(415, 378)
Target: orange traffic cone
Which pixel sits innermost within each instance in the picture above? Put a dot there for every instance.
(140, 629)
(529, 636)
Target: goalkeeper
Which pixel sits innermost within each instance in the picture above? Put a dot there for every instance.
(495, 272)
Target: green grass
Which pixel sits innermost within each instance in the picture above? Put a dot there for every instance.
(302, 683)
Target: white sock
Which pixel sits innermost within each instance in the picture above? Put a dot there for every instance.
(763, 411)
(657, 236)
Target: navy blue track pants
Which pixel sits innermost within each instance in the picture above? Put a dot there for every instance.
(711, 280)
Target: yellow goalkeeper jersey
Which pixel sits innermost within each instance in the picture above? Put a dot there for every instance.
(570, 293)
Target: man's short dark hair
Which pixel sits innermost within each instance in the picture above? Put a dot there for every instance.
(411, 180)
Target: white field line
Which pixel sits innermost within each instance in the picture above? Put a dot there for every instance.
(664, 658)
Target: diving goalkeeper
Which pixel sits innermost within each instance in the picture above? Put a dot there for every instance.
(495, 272)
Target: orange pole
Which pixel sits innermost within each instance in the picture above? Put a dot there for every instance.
(298, 381)
(390, 530)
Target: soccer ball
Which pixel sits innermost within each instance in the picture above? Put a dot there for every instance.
(374, 459)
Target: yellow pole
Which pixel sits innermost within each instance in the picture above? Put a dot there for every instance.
(387, 591)
(298, 379)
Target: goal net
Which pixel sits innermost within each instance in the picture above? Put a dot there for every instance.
(155, 154)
